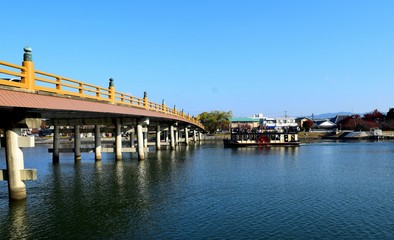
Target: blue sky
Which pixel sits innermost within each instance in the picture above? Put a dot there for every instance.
(250, 56)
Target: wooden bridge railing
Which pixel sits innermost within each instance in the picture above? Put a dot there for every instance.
(26, 77)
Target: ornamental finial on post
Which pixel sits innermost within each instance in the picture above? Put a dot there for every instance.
(27, 56)
(146, 103)
(111, 82)
(163, 106)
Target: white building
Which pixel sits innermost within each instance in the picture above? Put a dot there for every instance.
(267, 123)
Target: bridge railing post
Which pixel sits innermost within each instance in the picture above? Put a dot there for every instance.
(163, 106)
(111, 90)
(146, 105)
(58, 84)
(28, 72)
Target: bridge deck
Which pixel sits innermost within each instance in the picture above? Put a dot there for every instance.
(71, 107)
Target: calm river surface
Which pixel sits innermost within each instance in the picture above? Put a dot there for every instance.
(324, 190)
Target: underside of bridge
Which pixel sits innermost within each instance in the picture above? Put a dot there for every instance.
(22, 109)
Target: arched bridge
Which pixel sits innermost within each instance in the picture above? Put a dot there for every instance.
(29, 96)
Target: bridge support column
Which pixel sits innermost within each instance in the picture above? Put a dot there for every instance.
(97, 143)
(166, 136)
(186, 136)
(199, 136)
(77, 143)
(132, 138)
(56, 144)
(145, 134)
(177, 137)
(194, 136)
(172, 135)
(158, 140)
(14, 156)
(140, 142)
(118, 142)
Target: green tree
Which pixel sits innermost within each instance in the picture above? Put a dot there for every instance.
(215, 120)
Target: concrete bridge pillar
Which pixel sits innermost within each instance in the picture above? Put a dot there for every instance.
(145, 135)
(132, 138)
(14, 156)
(166, 136)
(77, 143)
(177, 137)
(186, 136)
(158, 140)
(118, 142)
(97, 143)
(56, 144)
(172, 135)
(140, 142)
(194, 136)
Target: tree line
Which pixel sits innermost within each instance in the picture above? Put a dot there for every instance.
(216, 121)
(374, 119)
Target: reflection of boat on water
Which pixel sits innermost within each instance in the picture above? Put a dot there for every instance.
(275, 138)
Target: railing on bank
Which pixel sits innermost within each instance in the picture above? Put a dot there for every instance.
(26, 77)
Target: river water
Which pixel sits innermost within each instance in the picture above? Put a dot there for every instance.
(324, 190)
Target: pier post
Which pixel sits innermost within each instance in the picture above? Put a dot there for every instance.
(56, 144)
(186, 136)
(97, 143)
(158, 140)
(165, 133)
(77, 143)
(145, 134)
(14, 156)
(132, 138)
(199, 136)
(172, 135)
(118, 142)
(194, 136)
(140, 142)
(176, 137)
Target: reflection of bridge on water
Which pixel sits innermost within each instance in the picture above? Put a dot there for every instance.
(27, 96)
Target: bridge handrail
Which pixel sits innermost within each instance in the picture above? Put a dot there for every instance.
(34, 80)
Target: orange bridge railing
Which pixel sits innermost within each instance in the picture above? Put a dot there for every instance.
(26, 77)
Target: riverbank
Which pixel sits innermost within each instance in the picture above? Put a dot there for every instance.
(302, 136)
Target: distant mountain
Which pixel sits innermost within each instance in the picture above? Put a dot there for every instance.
(329, 115)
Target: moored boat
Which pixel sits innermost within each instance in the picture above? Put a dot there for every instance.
(262, 139)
